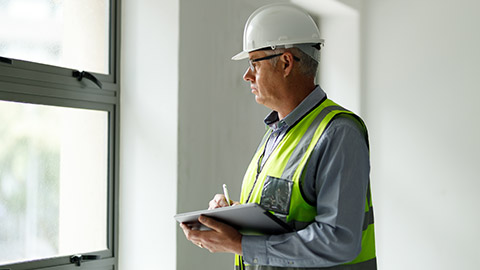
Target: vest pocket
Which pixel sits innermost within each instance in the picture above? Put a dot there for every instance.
(276, 195)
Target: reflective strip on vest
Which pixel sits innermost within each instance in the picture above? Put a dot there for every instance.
(286, 163)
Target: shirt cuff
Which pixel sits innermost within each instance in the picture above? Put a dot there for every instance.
(254, 249)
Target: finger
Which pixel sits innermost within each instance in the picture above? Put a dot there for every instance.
(221, 200)
(217, 202)
(212, 205)
(186, 230)
(184, 227)
(212, 223)
(190, 234)
(222, 237)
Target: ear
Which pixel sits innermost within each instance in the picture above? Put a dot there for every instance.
(287, 63)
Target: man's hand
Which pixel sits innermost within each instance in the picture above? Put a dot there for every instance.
(220, 201)
(221, 237)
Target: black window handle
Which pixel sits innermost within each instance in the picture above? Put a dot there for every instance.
(78, 258)
(6, 61)
(76, 74)
(83, 74)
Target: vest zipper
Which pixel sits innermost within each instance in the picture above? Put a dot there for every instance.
(259, 167)
(253, 187)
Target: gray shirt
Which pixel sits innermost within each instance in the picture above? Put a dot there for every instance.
(335, 180)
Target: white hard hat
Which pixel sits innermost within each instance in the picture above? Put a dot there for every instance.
(280, 25)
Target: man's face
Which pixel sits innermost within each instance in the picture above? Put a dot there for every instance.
(263, 80)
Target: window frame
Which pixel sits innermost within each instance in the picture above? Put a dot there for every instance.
(35, 83)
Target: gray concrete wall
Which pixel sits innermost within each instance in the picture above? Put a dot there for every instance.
(220, 124)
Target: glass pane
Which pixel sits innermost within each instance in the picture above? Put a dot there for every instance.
(66, 33)
(53, 181)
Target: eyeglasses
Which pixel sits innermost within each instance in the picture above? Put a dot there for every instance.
(251, 61)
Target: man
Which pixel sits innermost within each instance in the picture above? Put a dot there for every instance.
(312, 166)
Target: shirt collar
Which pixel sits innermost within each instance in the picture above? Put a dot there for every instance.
(300, 111)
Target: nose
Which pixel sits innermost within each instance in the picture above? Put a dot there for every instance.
(248, 76)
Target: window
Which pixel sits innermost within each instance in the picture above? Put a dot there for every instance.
(64, 33)
(59, 104)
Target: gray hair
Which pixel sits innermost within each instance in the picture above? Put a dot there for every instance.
(307, 65)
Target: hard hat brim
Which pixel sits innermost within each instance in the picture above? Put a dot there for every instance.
(240, 56)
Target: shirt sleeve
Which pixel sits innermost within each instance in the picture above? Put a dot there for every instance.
(335, 180)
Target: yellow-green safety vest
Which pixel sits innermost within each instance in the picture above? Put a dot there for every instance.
(281, 173)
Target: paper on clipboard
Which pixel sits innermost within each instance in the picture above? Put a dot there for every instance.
(248, 218)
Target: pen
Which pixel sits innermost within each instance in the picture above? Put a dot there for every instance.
(225, 192)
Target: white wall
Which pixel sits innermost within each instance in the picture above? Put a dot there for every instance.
(421, 79)
(339, 67)
(340, 63)
(149, 136)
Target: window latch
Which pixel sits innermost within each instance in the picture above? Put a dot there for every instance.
(6, 61)
(83, 74)
(77, 259)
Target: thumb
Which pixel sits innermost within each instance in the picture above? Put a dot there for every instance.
(211, 223)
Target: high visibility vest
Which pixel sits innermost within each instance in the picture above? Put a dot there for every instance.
(276, 185)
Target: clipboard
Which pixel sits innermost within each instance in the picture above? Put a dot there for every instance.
(248, 218)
